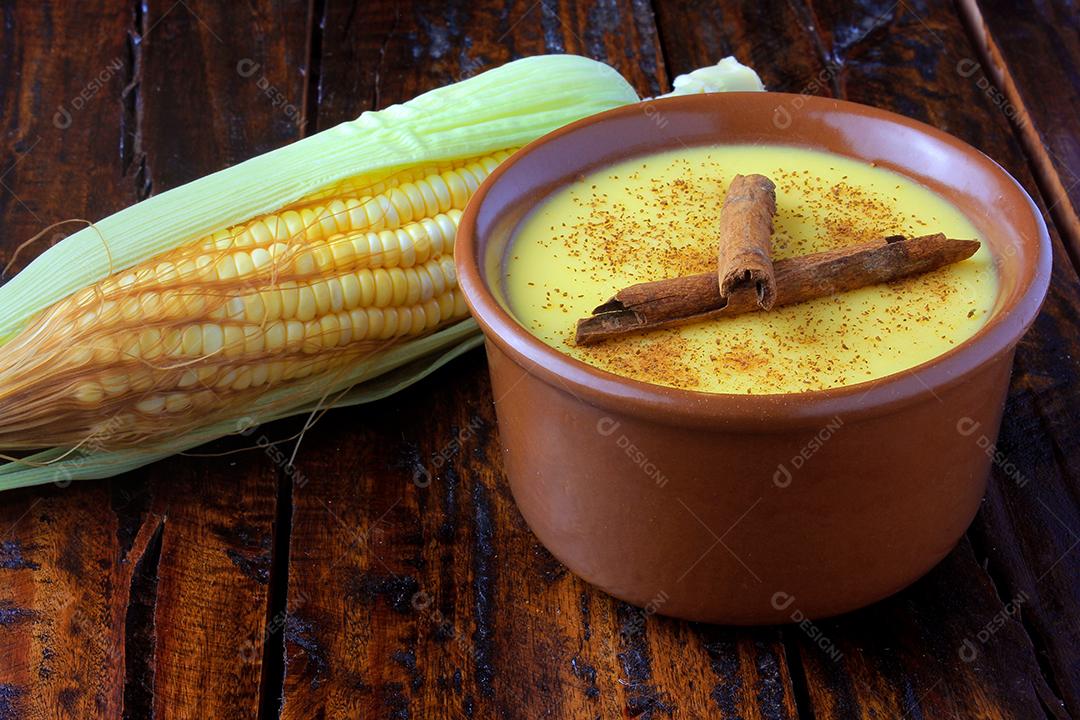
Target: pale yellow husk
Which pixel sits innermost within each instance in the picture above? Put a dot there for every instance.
(500, 109)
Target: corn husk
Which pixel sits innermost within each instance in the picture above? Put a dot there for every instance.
(505, 107)
(374, 379)
(502, 108)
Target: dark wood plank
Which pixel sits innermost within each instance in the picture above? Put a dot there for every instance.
(905, 57)
(146, 595)
(1031, 52)
(377, 53)
(150, 593)
(65, 593)
(919, 654)
(209, 96)
(64, 577)
(436, 601)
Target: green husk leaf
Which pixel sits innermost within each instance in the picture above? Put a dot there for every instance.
(373, 379)
(504, 107)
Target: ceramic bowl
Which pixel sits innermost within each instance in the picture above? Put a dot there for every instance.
(762, 508)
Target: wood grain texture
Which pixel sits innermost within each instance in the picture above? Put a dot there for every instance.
(209, 96)
(376, 53)
(919, 654)
(64, 578)
(61, 106)
(387, 573)
(904, 57)
(1029, 65)
(434, 599)
(147, 595)
(65, 593)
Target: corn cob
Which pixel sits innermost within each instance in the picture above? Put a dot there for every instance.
(264, 288)
(288, 295)
(318, 274)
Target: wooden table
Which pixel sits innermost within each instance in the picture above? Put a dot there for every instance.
(225, 587)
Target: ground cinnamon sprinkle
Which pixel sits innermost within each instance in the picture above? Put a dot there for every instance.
(666, 355)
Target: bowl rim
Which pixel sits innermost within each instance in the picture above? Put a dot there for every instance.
(775, 411)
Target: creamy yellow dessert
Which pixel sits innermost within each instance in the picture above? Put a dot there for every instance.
(657, 216)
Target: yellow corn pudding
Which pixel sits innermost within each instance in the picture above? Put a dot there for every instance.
(657, 216)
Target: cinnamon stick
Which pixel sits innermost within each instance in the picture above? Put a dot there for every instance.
(744, 260)
(681, 300)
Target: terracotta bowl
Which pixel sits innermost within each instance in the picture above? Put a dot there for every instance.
(751, 509)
